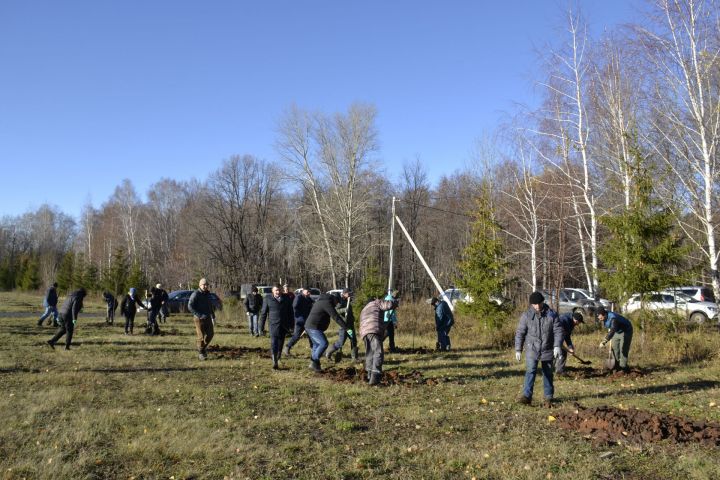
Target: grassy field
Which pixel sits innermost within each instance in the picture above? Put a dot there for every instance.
(144, 407)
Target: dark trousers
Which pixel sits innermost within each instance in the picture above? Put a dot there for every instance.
(129, 322)
(152, 327)
(343, 335)
(443, 337)
(277, 339)
(297, 333)
(66, 328)
(374, 355)
(110, 314)
(164, 313)
(390, 334)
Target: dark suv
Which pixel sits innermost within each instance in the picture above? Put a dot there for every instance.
(178, 301)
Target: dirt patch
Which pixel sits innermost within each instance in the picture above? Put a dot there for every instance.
(393, 377)
(606, 425)
(238, 352)
(578, 373)
(411, 351)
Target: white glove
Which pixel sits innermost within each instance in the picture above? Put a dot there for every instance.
(557, 351)
(517, 356)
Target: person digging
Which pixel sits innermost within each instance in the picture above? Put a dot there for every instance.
(568, 322)
(620, 333)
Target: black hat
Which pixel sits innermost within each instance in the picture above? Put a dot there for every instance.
(434, 301)
(602, 311)
(578, 316)
(536, 298)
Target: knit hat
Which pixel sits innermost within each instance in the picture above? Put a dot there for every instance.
(602, 311)
(578, 316)
(132, 291)
(536, 298)
(159, 285)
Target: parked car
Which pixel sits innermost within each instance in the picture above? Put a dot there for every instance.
(567, 304)
(314, 292)
(178, 301)
(701, 294)
(264, 289)
(337, 292)
(458, 295)
(695, 311)
(582, 294)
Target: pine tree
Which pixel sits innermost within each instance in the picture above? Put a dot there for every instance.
(31, 275)
(91, 278)
(483, 268)
(115, 277)
(65, 272)
(78, 273)
(372, 286)
(642, 253)
(136, 277)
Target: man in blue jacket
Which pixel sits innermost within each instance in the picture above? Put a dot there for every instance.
(50, 304)
(301, 306)
(620, 332)
(568, 322)
(541, 335)
(444, 320)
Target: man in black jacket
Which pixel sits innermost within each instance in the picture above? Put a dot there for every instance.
(253, 304)
(50, 304)
(111, 306)
(302, 304)
(317, 322)
(344, 308)
(68, 316)
(200, 305)
(163, 313)
(278, 309)
(156, 301)
(128, 308)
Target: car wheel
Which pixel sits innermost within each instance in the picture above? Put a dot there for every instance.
(698, 317)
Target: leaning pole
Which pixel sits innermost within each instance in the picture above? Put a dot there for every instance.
(422, 260)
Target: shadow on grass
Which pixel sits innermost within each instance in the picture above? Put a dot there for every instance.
(139, 369)
(687, 387)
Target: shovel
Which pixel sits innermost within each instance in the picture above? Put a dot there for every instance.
(610, 360)
(583, 362)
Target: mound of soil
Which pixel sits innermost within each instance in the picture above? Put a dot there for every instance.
(605, 425)
(237, 352)
(355, 375)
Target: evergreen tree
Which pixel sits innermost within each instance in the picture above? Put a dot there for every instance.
(78, 273)
(65, 272)
(642, 253)
(31, 275)
(115, 277)
(483, 268)
(91, 278)
(136, 278)
(373, 286)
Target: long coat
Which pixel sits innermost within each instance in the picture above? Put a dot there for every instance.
(279, 313)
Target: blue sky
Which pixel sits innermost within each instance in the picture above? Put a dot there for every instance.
(92, 92)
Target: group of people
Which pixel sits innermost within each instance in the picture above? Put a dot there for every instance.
(545, 336)
(541, 333)
(66, 317)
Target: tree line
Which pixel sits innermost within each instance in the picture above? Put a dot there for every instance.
(609, 184)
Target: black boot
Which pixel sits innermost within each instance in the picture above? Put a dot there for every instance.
(354, 354)
(315, 366)
(374, 378)
(275, 361)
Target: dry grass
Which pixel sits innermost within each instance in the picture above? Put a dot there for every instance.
(145, 407)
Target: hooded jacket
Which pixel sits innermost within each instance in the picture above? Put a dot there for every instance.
(322, 310)
(372, 317)
(443, 316)
(539, 332)
(72, 305)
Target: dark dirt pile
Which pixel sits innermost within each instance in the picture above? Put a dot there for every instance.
(354, 375)
(605, 425)
(578, 373)
(237, 352)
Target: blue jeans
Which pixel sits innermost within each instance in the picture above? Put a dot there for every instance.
(319, 343)
(531, 365)
(49, 310)
(253, 324)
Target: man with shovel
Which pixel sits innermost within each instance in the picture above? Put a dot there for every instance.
(620, 332)
(568, 322)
